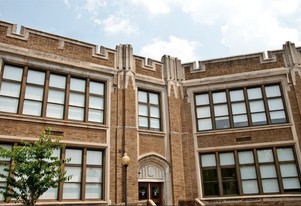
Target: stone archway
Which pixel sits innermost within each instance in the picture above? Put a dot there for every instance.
(155, 169)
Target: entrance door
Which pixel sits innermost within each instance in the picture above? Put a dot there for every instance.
(150, 190)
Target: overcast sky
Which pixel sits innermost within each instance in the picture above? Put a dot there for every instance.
(188, 29)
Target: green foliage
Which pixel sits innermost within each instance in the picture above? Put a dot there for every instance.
(33, 169)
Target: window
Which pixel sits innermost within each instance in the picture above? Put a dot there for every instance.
(149, 110)
(243, 107)
(77, 99)
(86, 168)
(96, 102)
(6, 162)
(10, 89)
(34, 93)
(258, 171)
(56, 96)
(72, 187)
(45, 94)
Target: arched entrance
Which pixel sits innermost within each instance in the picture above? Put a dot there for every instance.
(154, 180)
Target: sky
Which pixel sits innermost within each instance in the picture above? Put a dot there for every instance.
(190, 30)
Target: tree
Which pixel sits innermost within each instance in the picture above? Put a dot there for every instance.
(33, 169)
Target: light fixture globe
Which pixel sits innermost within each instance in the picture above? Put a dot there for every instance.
(125, 160)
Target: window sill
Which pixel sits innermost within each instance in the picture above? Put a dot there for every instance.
(36, 119)
(250, 197)
(151, 132)
(244, 129)
(88, 202)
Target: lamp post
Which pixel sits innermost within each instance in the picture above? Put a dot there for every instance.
(125, 162)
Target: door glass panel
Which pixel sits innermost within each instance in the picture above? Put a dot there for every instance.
(155, 192)
(143, 192)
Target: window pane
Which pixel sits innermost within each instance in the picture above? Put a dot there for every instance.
(8, 147)
(220, 110)
(245, 157)
(211, 188)
(77, 99)
(12, 72)
(222, 122)
(254, 93)
(71, 191)
(10, 89)
(250, 187)
(5, 173)
(50, 194)
(285, 154)
(230, 188)
(226, 158)
(143, 110)
(267, 171)
(154, 123)
(208, 160)
(257, 106)
(209, 175)
(265, 155)
(34, 93)
(55, 111)
(202, 99)
(76, 113)
(240, 121)
(248, 172)
(56, 96)
(219, 97)
(57, 81)
(93, 191)
(204, 124)
(142, 96)
(35, 77)
(143, 122)
(203, 112)
(238, 108)
(288, 170)
(275, 104)
(32, 108)
(77, 85)
(291, 183)
(273, 91)
(237, 95)
(259, 119)
(96, 88)
(154, 111)
(75, 172)
(153, 98)
(8, 104)
(96, 102)
(95, 116)
(93, 174)
(94, 157)
(75, 155)
(270, 186)
(278, 117)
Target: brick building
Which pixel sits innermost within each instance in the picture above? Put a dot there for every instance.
(223, 131)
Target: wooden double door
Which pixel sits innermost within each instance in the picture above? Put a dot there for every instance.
(150, 190)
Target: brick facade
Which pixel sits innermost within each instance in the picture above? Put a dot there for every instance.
(168, 156)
